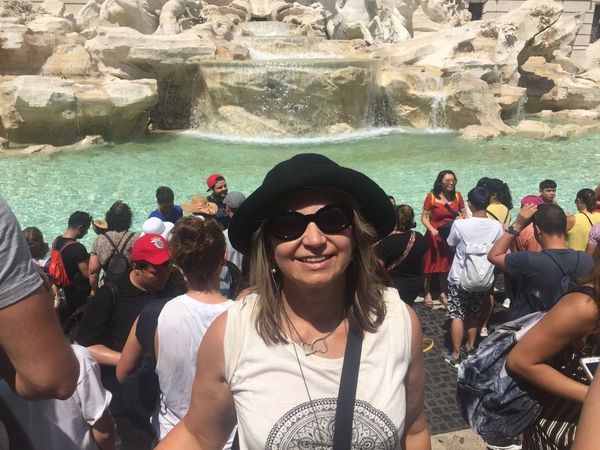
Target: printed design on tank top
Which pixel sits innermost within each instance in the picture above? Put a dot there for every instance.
(302, 428)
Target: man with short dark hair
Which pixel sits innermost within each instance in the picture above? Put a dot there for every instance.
(75, 258)
(167, 210)
(548, 191)
(218, 187)
(537, 276)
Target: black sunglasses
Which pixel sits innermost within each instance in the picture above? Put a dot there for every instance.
(290, 225)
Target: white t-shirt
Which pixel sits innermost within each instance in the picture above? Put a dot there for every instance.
(272, 404)
(64, 424)
(181, 327)
(476, 230)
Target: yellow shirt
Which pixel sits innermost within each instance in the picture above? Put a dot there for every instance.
(501, 212)
(577, 236)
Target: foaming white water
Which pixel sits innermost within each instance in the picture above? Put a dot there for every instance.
(270, 55)
(359, 135)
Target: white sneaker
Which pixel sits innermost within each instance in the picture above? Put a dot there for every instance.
(506, 303)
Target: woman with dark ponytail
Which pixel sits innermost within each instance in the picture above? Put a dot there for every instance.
(580, 223)
(401, 253)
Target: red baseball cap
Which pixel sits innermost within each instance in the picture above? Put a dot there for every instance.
(531, 200)
(151, 248)
(212, 180)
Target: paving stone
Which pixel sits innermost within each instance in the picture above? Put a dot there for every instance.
(440, 377)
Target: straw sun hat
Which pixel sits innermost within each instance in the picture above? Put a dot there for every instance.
(199, 204)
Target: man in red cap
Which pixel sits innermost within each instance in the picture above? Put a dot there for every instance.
(106, 323)
(218, 187)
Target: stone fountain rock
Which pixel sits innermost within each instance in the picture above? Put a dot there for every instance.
(210, 66)
(56, 111)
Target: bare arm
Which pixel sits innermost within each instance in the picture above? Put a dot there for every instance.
(416, 435)
(104, 355)
(36, 360)
(94, 272)
(104, 432)
(565, 325)
(498, 252)
(84, 269)
(590, 248)
(587, 436)
(570, 221)
(130, 356)
(425, 221)
(211, 416)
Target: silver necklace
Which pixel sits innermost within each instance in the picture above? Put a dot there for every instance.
(310, 400)
(310, 348)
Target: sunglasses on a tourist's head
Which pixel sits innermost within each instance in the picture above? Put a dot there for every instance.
(290, 225)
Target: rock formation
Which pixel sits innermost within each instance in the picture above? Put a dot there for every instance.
(313, 67)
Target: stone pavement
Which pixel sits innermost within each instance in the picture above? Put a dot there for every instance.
(448, 429)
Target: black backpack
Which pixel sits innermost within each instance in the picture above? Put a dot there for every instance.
(118, 264)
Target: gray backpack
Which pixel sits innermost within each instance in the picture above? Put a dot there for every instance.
(495, 403)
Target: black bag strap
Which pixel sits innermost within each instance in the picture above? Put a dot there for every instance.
(588, 218)
(116, 247)
(344, 413)
(496, 217)
(559, 266)
(587, 290)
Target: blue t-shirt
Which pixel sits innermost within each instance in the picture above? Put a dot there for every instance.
(537, 271)
(175, 214)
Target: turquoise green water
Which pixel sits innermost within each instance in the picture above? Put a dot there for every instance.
(44, 189)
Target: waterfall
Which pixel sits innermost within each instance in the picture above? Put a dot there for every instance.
(286, 97)
(437, 115)
(520, 109)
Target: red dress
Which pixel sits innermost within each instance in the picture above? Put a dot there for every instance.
(438, 257)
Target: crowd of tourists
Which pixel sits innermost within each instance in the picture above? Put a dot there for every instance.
(286, 319)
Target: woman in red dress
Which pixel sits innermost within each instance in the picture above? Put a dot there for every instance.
(442, 205)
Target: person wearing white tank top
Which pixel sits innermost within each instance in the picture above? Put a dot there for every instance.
(272, 363)
(197, 248)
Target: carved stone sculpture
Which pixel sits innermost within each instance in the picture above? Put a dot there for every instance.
(309, 20)
(390, 20)
(355, 19)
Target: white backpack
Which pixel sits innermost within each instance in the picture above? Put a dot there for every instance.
(478, 273)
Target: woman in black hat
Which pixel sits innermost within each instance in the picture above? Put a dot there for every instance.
(274, 361)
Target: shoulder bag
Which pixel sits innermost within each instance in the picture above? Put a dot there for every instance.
(409, 245)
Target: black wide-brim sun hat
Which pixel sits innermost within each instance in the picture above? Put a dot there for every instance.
(302, 171)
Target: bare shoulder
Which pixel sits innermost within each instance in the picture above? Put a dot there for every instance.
(576, 308)
(216, 332)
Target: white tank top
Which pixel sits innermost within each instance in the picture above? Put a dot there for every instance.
(181, 326)
(271, 400)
